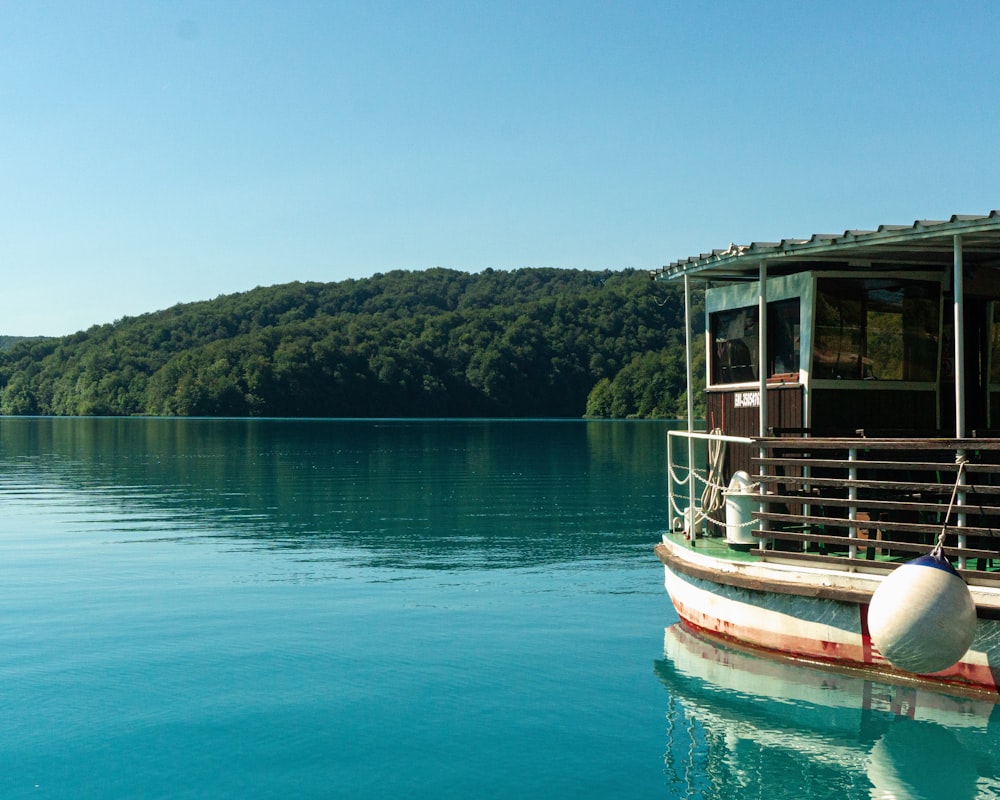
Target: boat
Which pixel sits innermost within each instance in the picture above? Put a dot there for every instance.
(852, 408)
(747, 726)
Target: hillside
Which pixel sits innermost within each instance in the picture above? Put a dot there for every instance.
(7, 342)
(531, 342)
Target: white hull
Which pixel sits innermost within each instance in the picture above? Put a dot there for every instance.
(810, 614)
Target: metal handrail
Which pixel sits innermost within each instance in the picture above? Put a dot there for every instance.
(906, 500)
(688, 481)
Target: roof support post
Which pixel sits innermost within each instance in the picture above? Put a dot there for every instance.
(689, 523)
(687, 346)
(762, 345)
(762, 378)
(958, 285)
(959, 288)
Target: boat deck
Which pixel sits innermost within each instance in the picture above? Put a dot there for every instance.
(717, 547)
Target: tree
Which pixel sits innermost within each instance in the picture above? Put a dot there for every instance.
(534, 342)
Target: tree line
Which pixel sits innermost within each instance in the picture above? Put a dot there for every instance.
(432, 343)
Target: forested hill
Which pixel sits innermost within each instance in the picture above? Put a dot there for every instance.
(530, 342)
(7, 342)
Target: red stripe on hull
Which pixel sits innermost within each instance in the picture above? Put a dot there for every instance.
(797, 646)
(861, 655)
(866, 637)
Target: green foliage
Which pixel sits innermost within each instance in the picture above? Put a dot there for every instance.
(7, 342)
(651, 385)
(532, 342)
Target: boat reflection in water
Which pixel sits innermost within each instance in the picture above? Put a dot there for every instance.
(744, 726)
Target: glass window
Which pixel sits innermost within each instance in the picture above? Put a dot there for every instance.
(734, 345)
(734, 342)
(995, 345)
(876, 329)
(783, 337)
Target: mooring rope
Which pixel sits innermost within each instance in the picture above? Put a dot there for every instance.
(711, 498)
(701, 515)
(939, 547)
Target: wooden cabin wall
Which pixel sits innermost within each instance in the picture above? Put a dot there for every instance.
(726, 409)
(880, 412)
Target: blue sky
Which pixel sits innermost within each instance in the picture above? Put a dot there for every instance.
(164, 152)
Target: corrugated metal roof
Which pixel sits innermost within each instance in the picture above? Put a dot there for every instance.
(925, 243)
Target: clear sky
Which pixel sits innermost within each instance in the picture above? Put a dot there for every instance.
(161, 152)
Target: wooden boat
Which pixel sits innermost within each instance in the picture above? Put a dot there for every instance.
(852, 391)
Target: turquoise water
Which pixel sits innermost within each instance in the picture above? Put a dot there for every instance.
(210, 609)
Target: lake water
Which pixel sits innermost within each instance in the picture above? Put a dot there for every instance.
(399, 609)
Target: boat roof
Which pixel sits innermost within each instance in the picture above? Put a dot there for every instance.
(926, 244)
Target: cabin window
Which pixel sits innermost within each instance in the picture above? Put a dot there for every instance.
(995, 345)
(734, 345)
(783, 338)
(876, 329)
(735, 340)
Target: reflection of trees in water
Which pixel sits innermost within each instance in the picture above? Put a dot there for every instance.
(508, 492)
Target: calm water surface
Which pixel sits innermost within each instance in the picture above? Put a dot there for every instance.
(194, 608)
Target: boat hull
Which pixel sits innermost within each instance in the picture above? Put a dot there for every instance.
(806, 614)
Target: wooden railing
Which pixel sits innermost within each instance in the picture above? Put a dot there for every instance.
(880, 500)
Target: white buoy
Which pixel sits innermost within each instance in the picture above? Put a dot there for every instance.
(922, 618)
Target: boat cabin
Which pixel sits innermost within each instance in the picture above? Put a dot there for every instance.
(881, 347)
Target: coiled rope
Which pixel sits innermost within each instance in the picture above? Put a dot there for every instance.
(711, 498)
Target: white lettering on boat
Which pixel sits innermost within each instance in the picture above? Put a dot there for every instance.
(746, 400)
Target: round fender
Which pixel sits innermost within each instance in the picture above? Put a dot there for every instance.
(922, 617)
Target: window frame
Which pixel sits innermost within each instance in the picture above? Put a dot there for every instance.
(803, 286)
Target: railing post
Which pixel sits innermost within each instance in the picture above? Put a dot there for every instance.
(852, 495)
(960, 516)
(690, 405)
(762, 505)
(671, 496)
(806, 507)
